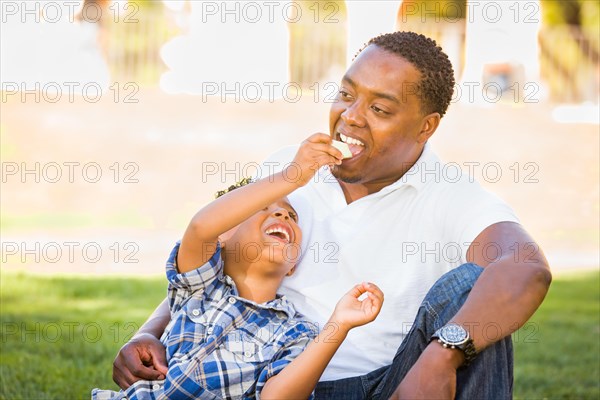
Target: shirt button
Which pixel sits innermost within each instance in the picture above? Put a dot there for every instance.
(195, 312)
(231, 300)
(210, 330)
(248, 353)
(156, 386)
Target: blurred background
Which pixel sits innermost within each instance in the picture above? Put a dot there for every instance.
(119, 119)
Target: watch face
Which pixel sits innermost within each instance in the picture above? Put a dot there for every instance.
(453, 334)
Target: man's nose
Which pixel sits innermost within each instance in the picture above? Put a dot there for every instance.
(353, 115)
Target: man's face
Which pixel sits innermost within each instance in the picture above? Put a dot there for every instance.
(378, 106)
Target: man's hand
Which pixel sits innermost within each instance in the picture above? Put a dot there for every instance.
(143, 357)
(433, 376)
(351, 312)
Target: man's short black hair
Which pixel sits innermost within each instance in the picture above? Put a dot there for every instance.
(437, 76)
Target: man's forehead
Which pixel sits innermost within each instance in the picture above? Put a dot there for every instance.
(382, 72)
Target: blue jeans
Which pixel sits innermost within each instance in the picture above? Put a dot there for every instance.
(490, 376)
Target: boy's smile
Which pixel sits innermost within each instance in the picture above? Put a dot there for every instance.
(280, 231)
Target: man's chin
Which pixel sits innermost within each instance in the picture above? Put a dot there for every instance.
(344, 176)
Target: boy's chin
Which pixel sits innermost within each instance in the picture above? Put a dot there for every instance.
(283, 253)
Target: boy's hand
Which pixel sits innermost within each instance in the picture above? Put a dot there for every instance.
(315, 152)
(351, 312)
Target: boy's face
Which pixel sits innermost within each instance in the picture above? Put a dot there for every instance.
(270, 235)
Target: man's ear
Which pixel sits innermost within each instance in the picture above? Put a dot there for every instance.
(291, 271)
(428, 127)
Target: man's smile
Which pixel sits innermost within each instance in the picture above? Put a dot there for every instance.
(356, 146)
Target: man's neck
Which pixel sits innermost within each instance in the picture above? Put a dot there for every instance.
(356, 191)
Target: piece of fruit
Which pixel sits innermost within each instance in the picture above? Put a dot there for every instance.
(343, 147)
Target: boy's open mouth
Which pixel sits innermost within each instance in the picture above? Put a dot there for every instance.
(280, 231)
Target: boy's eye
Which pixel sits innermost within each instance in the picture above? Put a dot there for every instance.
(294, 216)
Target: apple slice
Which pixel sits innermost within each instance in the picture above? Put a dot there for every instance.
(343, 147)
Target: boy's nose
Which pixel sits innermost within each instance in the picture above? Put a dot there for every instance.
(281, 212)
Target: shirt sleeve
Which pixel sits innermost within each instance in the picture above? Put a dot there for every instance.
(296, 340)
(182, 286)
(277, 161)
(469, 210)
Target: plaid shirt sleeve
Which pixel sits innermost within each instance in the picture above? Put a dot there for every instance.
(297, 338)
(182, 286)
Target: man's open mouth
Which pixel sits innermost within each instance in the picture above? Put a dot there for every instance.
(355, 145)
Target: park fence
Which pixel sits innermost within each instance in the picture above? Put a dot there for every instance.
(569, 57)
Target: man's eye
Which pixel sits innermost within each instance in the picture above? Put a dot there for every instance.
(379, 110)
(294, 216)
(344, 94)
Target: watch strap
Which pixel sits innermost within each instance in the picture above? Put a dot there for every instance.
(468, 347)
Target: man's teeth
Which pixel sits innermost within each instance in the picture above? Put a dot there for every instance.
(349, 140)
(278, 230)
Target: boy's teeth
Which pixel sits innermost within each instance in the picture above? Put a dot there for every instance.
(279, 230)
(349, 140)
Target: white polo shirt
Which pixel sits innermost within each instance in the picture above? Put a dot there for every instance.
(402, 238)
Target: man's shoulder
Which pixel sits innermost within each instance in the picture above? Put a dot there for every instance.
(278, 160)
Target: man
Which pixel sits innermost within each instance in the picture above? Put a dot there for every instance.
(378, 217)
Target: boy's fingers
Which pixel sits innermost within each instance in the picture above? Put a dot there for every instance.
(357, 290)
(319, 138)
(326, 148)
(374, 289)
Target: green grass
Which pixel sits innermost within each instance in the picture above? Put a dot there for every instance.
(557, 353)
(59, 336)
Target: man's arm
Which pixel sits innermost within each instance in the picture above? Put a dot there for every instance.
(143, 357)
(507, 293)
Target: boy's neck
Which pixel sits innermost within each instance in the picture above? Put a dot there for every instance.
(259, 289)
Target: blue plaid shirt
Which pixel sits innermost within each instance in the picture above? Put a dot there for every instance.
(220, 345)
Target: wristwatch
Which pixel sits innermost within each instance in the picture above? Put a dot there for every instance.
(454, 336)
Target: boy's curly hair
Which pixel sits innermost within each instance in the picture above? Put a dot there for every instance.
(242, 182)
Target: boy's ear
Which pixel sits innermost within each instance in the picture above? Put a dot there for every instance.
(291, 271)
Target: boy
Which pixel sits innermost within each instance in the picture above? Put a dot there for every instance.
(230, 335)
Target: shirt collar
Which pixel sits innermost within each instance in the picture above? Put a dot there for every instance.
(279, 303)
(422, 172)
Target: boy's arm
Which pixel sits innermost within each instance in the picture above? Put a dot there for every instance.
(200, 238)
(299, 378)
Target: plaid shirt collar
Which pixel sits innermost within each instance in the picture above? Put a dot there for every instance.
(279, 303)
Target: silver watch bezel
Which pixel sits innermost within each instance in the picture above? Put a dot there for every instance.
(448, 335)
